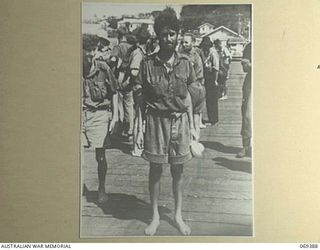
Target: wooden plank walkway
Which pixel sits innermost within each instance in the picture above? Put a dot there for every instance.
(217, 187)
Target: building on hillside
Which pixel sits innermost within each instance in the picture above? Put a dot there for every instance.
(137, 22)
(222, 33)
(205, 28)
(228, 38)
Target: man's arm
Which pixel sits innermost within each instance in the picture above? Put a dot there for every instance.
(191, 80)
(193, 132)
(215, 76)
(114, 112)
(139, 139)
(114, 86)
(190, 110)
(135, 63)
(115, 107)
(215, 66)
(198, 68)
(140, 105)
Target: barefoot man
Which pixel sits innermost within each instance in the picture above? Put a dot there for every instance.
(99, 109)
(165, 77)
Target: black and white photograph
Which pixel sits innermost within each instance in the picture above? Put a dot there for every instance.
(166, 120)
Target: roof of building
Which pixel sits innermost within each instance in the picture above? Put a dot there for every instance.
(208, 24)
(219, 28)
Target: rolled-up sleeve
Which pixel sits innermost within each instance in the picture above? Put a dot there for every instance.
(135, 62)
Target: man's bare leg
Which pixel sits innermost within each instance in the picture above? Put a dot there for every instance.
(196, 121)
(201, 123)
(102, 171)
(176, 172)
(154, 189)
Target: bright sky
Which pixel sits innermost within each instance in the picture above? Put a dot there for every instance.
(118, 9)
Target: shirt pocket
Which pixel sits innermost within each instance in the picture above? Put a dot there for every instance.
(156, 85)
(180, 85)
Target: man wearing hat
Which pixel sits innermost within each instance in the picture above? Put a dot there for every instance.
(100, 108)
(164, 78)
(119, 55)
(210, 60)
(103, 51)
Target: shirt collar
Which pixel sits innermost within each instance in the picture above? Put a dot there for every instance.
(176, 60)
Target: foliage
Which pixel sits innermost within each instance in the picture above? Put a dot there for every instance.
(113, 22)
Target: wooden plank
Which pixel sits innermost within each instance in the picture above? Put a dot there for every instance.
(208, 217)
(217, 189)
(133, 207)
(113, 227)
(195, 169)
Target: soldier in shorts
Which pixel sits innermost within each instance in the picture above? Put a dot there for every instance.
(165, 77)
(99, 108)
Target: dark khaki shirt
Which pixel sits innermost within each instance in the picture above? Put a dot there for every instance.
(101, 75)
(166, 91)
(121, 50)
(197, 64)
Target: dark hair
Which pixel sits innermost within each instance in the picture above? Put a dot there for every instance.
(104, 42)
(167, 18)
(131, 39)
(89, 42)
(206, 41)
(142, 34)
(217, 42)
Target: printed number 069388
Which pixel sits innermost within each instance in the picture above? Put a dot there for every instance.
(308, 245)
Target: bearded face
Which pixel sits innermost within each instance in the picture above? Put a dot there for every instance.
(168, 39)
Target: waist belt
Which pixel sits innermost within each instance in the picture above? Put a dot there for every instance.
(94, 109)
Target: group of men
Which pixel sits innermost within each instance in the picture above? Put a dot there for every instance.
(158, 96)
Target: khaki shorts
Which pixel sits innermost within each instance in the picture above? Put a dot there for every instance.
(95, 127)
(167, 138)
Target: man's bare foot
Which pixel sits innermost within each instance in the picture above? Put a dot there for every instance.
(152, 228)
(183, 227)
(202, 125)
(102, 197)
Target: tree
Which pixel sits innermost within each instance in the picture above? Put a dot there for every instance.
(155, 13)
(113, 22)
